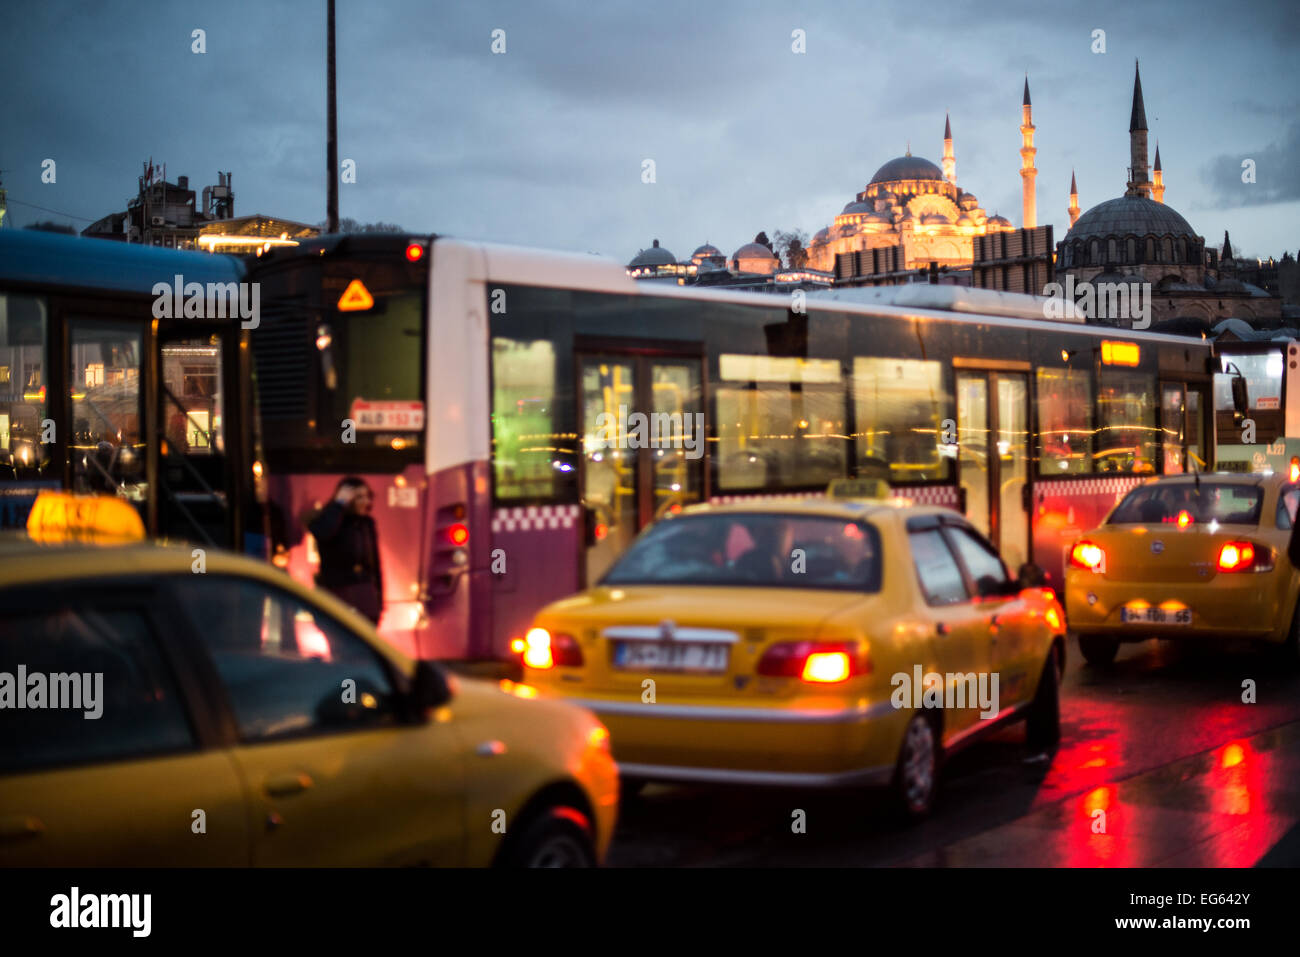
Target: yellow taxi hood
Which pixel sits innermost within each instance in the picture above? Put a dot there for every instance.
(718, 607)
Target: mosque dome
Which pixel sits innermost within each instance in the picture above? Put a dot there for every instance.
(1130, 216)
(656, 255)
(907, 167)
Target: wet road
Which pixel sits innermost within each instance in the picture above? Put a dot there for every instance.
(1183, 772)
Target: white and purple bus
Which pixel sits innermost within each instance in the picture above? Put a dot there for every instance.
(521, 415)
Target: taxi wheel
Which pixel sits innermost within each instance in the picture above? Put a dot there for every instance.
(1043, 725)
(1098, 651)
(917, 772)
(554, 839)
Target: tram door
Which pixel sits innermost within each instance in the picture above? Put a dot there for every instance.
(1182, 428)
(993, 457)
(642, 447)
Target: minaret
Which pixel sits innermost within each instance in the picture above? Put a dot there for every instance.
(1138, 183)
(1074, 201)
(949, 161)
(1158, 184)
(1027, 152)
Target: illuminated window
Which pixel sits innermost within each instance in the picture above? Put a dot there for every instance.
(1126, 422)
(900, 405)
(524, 444)
(1064, 421)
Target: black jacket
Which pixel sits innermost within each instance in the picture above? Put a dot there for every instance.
(349, 548)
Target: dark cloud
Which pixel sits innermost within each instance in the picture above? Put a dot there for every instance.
(1276, 173)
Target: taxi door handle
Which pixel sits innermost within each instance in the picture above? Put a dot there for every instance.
(293, 782)
(17, 827)
(942, 628)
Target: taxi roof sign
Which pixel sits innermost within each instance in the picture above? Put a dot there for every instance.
(356, 298)
(868, 488)
(64, 517)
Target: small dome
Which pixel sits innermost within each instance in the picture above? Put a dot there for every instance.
(880, 218)
(656, 255)
(857, 206)
(754, 251)
(934, 219)
(999, 221)
(907, 167)
(708, 249)
(967, 201)
(823, 234)
(1130, 216)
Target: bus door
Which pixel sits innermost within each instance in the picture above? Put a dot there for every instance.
(993, 456)
(642, 432)
(1182, 430)
(199, 457)
(105, 415)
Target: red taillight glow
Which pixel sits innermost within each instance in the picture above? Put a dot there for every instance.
(1184, 518)
(1236, 556)
(542, 651)
(814, 662)
(601, 531)
(1087, 555)
(1292, 473)
(826, 667)
(458, 534)
(414, 252)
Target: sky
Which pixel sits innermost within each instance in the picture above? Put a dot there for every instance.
(545, 144)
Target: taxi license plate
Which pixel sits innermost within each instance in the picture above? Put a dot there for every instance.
(1155, 616)
(660, 656)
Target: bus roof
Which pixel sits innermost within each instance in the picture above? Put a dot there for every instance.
(54, 259)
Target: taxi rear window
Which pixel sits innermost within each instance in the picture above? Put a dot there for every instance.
(1184, 503)
(762, 550)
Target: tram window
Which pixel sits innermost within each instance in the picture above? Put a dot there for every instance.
(527, 458)
(107, 446)
(900, 405)
(1064, 422)
(1126, 422)
(193, 401)
(780, 422)
(22, 387)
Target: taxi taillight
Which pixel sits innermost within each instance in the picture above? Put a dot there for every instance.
(816, 662)
(1087, 555)
(541, 650)
(1244, 557)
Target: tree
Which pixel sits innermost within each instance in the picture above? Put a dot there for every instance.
(352, 226)
(49, 226)
(762, 240)
(792, 246)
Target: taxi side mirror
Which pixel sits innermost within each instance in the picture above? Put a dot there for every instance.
(430, 687)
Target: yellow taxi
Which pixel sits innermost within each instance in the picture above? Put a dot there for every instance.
(166, 706)
(1191, 557)
(823, 642)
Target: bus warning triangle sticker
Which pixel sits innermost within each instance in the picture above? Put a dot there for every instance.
(356, 297)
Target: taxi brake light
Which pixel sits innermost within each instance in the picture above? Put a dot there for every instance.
(826, 667)
(1239, 556)
(1053, 618)
(1293, 471)
(541, 650)
(1087, 555)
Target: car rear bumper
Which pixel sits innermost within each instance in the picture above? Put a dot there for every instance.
(779, 747)
(1243, 606)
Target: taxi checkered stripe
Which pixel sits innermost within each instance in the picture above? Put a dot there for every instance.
(927, 495)
(535, 518)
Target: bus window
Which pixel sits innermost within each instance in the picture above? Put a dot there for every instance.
(106, 447)
(192, 402)
(1064, 422)
(1263, 375)
(1126, 422)
(780, 422)
(23, 456)
(900, 405)
(526, 458)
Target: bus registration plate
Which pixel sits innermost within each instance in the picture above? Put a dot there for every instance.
(387, 416)
(677, 656)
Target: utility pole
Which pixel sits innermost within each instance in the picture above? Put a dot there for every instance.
(332, 138)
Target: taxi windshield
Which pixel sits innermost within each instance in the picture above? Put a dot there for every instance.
(754, 550)
(1185, 504)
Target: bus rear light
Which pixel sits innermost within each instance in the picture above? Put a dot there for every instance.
(458, 534)
(414, 252)
(1089, 556)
